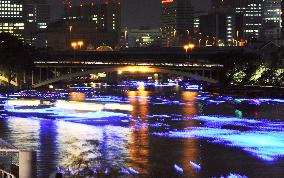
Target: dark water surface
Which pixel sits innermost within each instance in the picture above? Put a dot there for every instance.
(167, 126)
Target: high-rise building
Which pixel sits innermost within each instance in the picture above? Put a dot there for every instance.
(282, 24)
(218, 28)
(93, 24)
(271, 29)
(11, 17)
(196, 22)
(249, 15)
(177, 18)
(252, 12)
(106, 16)
(37, 17)
(24, 18)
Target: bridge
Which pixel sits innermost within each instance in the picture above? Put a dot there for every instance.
(55, 71)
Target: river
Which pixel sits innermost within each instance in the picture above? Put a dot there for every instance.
(163, 131)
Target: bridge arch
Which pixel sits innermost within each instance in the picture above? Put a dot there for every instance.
(117, 69)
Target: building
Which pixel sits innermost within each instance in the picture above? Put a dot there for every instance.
(24, 19)
(218, 29)
(12, 18)
(93, 24)
(143, 37)
(37, 18)
(282, 24)
(271, 29)
(177, 19)
(196, 22)
(106, 15)
(249, 16)
(60, 37)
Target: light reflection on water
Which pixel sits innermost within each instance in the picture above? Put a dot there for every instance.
(163, 129)
(139, 145)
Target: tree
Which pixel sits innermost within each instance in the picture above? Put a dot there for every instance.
(15, 56)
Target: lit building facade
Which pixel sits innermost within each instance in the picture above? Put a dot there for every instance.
(11, 18)
(218, 29)
(196, 22)
(249, 16)
(177, 19)
(37, 17)
(143, 37)
(24, 19)
(282, 24)
(271, 20)
(106, 15)
(94, 24)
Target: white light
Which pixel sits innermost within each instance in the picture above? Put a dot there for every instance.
(23, 102)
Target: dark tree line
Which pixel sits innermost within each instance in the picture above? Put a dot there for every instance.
(16, 58)
(250, 68)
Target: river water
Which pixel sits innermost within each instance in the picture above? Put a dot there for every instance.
(159, 132)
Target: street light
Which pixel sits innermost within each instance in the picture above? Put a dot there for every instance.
(199, 42)
(187, 33)
(74, 45)
(218, 42)
(70, 32)
(190, 46)
(186, 47)
(175, 32)
(80, 44)
(125, 33)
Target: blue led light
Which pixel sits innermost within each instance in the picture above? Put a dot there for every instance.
(231, 175)
(133, 171)
(195, 166)
(178, 169)
(263, 140)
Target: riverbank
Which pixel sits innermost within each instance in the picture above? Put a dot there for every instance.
(248, 91)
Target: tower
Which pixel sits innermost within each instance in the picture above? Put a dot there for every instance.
(177, 18)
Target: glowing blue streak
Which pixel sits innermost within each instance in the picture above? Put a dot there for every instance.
(264, 140)
(178, 169)
(195, 166)
(133, 171)
(231, 175)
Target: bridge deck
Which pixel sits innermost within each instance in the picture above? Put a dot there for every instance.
(101, 63)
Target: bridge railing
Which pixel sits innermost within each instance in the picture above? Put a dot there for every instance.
(186, 64)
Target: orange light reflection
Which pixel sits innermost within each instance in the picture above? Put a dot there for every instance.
(190, 145)
(139, 145)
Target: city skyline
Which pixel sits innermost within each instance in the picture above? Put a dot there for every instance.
(133, 14)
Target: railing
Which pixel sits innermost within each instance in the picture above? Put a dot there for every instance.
(14, 162)
(4, 174)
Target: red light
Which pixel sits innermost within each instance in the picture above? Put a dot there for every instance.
(167, 1)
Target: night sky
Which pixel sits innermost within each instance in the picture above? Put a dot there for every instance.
(135, 13)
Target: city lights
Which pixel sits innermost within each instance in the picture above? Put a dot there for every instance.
(182, 88)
